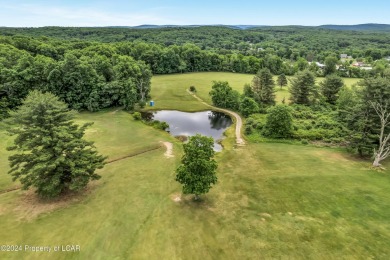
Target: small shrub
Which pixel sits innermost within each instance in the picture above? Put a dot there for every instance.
(248, 129)
(164, 125)
(137, 116)
(304, 141)
(254, 123)
(248, 106)
(193, 89)
(142, 104)
(160, 125)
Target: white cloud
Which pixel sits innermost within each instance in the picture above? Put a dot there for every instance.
(34, 16)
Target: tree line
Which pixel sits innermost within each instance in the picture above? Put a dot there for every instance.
(85, 77)
(94, 75)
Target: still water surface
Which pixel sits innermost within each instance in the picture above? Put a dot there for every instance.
(209, 123)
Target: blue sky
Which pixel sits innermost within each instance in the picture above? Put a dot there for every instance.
(24, 13)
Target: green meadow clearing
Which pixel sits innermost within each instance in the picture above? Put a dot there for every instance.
(170, 90)
(272, 200)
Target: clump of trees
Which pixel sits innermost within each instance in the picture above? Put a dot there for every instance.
(197, 171)
(256, 96)
(50, 152)
(361, 118)
(279, 122)
(86, 78)
(224, 96)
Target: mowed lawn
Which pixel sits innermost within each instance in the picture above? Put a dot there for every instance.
(272, 201)
(170, 91)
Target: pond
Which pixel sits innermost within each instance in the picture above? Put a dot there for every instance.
(209, 123)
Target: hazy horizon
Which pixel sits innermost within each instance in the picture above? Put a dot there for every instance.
(90, 13)
(187, 25)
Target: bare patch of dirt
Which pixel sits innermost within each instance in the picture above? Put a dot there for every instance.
(113, 112)
(30, 206)
(91, 131)
(309, 219)
(332, 156)
(169, 152)
(265, 215)
(176, 197)
(211, 209)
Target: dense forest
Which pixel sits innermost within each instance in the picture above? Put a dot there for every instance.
(93, 68)
(289, 42)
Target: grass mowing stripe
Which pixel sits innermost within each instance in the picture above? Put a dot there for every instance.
(149, 149)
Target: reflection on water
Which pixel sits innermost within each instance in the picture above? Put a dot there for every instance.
(209, 123)
(219, 121)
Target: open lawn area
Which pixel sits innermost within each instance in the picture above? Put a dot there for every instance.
(272, 200)
(169, 91)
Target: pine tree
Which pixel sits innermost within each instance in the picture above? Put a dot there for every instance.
(282, 80)
(303, 88)
(51, 154)
(263, 87)
(330, 88)
(362, 119)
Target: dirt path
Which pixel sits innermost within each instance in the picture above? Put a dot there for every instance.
(169, 152)
(239, 139)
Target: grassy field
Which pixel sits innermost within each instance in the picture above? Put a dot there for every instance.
(272, 201)
(169, 91)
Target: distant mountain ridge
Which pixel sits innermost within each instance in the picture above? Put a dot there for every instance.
(356, 27)
(153, 26)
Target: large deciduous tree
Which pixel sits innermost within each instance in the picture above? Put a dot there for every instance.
(50, 152)
(197, 171)
(279, 123)
(330, 65)
(224, 96)
(248, 106)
